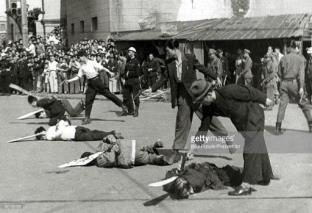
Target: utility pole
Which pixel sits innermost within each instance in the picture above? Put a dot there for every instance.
(24, 23)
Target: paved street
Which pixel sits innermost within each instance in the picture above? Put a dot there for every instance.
(31, 182)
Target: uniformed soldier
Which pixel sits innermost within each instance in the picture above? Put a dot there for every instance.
(291, 73)
(214, 65)
(309, 74)
(245, 77)
(132, 84)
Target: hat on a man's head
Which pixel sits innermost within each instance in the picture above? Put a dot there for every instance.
(132, 49)
(309, 50)
(199, 90)
(246, 51)
(211, 51)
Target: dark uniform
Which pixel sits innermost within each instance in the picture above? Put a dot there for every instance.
(291, 73)
(309, 78)
(152, 69)
(56, 109)
(132, 85)
(215, 66)
(5, 76)
(246, 74)
(241, 105)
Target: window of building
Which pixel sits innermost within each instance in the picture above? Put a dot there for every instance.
(94, 26)
(82, 26)
(73, 28)
(2, 27)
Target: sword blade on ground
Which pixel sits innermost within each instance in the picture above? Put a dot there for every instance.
(27, 137)
(163, 182)
(30, 114)
(81, 161)
(171, 179)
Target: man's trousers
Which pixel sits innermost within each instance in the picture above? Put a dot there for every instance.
(85, 134)
(184, 121)
(95, 86)
(289, 89)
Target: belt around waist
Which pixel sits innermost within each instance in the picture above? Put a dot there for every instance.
(289, 79)
(93, 78)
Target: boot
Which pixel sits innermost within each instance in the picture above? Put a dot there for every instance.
(86, 121)
(136, 112)
(310, 126)
(278, 128)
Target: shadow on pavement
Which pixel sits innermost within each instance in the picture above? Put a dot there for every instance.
(156, 200)
(271, 130)
(213, 156)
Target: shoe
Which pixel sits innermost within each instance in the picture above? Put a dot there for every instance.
(130, 113)
(86, 121)
(278, 128)
(310, 126)
(124, 110)
(241, 191)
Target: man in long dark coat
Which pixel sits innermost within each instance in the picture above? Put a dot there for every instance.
(240, 104)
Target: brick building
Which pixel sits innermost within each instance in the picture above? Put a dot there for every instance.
(99, 18)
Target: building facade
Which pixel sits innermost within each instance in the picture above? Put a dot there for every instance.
(98, 18)
(46, 22)
(3, 28)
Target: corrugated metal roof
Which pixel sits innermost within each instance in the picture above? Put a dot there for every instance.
(236, 28)
(268, 27)
(140, 36)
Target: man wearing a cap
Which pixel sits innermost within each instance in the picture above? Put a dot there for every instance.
(214, 65)
(291, 73)
(241, 104)
(245, 77)
(91, 69)
(132, 84)
(309, 74)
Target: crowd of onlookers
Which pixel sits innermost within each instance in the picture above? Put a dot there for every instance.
(45, 64)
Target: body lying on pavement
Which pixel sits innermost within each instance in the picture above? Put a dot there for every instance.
(120, 153)
(63, 131)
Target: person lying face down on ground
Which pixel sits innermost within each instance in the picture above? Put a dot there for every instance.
(55, 109)
(199, 177)
(63, 131)
(120, 153)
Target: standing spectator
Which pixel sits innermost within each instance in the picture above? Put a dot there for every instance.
(152, 70)
(132, 84)
(291, 72)
(238, 65)
(214, 65)
(226, 75)
(308, 73)
(52, 69)
(245, 77)
(278, 52)
(31, 48)
(74, 66)
(62, 70)
(269, 77)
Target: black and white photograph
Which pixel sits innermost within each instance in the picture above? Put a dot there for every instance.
(165, 106)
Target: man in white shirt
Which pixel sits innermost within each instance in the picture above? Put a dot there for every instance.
(63, 131)
(52, 67)
(90, 69)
